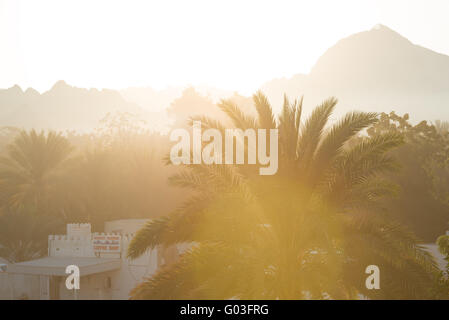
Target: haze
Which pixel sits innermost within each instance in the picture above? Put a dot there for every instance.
(231, 45)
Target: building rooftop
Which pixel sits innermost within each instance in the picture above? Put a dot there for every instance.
(56, 266)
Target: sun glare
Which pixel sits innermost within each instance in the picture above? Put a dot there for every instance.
(232, 45)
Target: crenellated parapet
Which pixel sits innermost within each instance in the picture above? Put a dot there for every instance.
(81, 242)
(70, 246)
(79, 229)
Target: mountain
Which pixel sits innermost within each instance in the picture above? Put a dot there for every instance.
(376, 70)
(62, 107)
(66, 107)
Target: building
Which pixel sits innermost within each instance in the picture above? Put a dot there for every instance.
(105, 272)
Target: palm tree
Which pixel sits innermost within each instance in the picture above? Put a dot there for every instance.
(29, 172)
(24, 235)
(309, 231)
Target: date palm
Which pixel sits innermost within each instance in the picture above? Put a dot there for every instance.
(307, 232)
(29, 171)
(24, 235)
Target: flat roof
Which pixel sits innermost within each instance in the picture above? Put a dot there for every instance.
(55, 266)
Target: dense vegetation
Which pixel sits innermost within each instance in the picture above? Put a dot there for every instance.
(361, 191)
(48, 179)
(307, 232)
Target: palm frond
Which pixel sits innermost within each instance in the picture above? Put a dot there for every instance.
(339, 134)
(264, 111)
(312, 131)
(177, 227)
(288, 130)
(238, 117)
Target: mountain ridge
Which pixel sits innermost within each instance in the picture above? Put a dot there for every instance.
(63, 107)
(374, 70)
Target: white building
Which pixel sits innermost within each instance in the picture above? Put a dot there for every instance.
(105, 272)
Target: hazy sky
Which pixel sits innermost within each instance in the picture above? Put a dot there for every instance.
(228, 44)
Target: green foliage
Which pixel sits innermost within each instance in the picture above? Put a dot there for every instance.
(24, 235)
(443, 245)
(30, 171)
(45, 182)
(423, 201)
(307, 232)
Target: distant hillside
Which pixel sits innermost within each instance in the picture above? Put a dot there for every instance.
(62, 107)
(151, 99)
(375, 70)
(157, 100)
